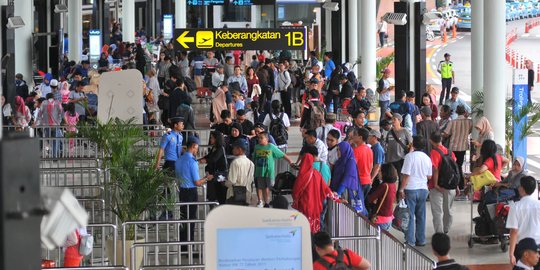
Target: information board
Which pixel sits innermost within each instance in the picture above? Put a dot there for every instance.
(293, 38)
(205, 2)
(520, 95)
(168, 29)
(94, 36)
(251, 2)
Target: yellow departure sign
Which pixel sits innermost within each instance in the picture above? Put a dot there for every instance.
(290, 38)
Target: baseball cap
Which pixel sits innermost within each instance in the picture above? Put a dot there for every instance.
(241, 143)
(447, 54)
(525, 244)
(397, 116)
(54, 83)
(314, 80)
(426, 110)
(386, 70)
(375, 133)
(193, 139)
(219, 66)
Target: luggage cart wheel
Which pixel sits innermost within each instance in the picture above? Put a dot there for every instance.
(470, 242)
(504, 246)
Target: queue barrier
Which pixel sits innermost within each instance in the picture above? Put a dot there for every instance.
(357, 233)
(90, 268)
(159, 231)
(169, 261)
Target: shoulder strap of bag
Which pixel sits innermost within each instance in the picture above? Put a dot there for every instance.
(225, 157)
(382, 201)
(398, 140)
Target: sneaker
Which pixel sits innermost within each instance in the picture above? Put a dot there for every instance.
(266, 205)
(260, 204)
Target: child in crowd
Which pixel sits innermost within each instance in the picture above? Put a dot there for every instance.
(238, 99)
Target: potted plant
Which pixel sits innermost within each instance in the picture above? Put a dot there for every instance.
(134, 186)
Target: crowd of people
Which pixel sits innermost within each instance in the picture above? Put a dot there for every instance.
(257, 97)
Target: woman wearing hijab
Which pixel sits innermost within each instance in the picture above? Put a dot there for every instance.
(219, 104)
(236, 134)
(485, 132)
(45, 87)
(309, 192)
(21, 116)
(216, 164)
(508, 188)
(345, 176)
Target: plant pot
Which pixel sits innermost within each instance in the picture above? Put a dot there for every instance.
(129, 244)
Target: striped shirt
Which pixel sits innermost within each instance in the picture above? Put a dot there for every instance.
(459, 131)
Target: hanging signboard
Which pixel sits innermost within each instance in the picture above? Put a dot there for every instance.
(520, 89)
(291, 38)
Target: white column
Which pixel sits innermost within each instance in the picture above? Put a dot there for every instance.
(495, 67)
(74, 30)
(23, 39)
(369, 43)
(343, 7)
(477, 47)
(180, 14)
(359, 35)
(128, 20)
(328, 29)
(352, 8)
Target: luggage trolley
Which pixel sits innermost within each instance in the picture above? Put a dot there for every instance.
(494, 221)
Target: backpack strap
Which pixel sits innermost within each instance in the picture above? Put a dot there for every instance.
(397, 140)
(324, 262)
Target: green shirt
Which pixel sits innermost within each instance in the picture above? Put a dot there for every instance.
(324, 169)
(264, 158)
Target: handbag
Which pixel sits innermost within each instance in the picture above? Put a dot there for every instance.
(484, 179)
(401, 217)
(224, 173)
(239, 194)
(373, 216)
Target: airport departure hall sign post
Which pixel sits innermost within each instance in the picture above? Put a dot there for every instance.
(290, 38)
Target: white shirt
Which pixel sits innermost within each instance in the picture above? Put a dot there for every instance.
(241, 174)
(417, 166)
(383, 27)
(286, 121)
(322, 132)
(522, 265)
(525, 217)
(323, 150)
(333, 156)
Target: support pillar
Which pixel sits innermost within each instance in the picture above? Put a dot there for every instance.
(23, 39)
(412, 34)
(477, 47)
(128, 21)
(328, 29)
(495, 67)
(352, 37)
(369, 43)
(74, 30)
(180, 14)
(342, 9)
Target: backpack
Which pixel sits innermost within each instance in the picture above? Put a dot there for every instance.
(351, 77)
(234, 86)
(284, 180)
(316, 118)
(86, 244)
(190, 84)
(339, 263)
(449, 172)
(278, 129)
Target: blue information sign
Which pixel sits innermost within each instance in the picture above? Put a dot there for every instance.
(205, 2)
(520, 88)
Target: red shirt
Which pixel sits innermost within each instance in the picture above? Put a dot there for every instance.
(386, 206)
(364, 162)
(355, 259)
(491, 166)
(436, 161)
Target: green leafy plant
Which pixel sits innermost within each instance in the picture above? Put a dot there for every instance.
(383, 63)
(135, 186)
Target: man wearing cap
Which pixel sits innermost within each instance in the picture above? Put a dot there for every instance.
(170, 145)
(426, 127)
(378, 153)
(218, 77)
(187, 173)
(241, 173)
(56, 93)
(78, 97)
(446, 69)
(384, 87)
(527, 254)
(455, 101)
(524, 217)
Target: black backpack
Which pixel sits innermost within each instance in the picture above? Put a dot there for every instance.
(449, 171)
(278, 129)
(339, 263)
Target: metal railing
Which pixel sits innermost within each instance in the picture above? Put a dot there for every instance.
(351, 228)
(90, 268)
(169, 258)
(159, 231)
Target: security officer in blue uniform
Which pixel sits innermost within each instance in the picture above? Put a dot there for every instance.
(171, 144)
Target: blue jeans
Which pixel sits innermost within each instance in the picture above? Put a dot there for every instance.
(416, 201)
(365, 190)
(385, 226)
(384, 106)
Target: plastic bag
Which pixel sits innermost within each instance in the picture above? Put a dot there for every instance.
(401, 216)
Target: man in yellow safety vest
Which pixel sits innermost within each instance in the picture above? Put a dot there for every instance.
(446, 69)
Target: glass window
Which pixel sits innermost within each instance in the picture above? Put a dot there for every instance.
(236, 13)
